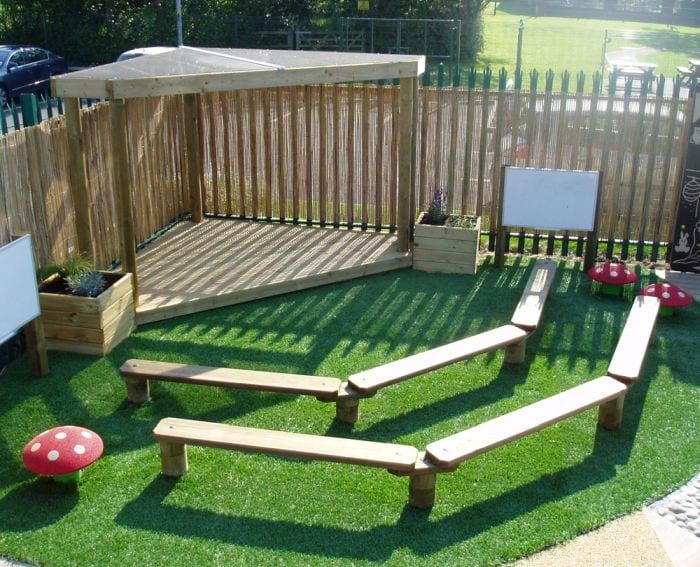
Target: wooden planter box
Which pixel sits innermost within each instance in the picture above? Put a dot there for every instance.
(445, 249)
(87, 325)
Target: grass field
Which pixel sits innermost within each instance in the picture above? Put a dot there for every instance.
(577, 44)
(234, 509)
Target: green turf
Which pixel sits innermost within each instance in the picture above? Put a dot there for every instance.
(576, 44)
(233, 508)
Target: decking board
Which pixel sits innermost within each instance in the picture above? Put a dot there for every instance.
(220, 262)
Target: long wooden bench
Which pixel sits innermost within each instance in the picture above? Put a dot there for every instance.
(637, 334)
(451, 451)
(371, 380)
(529, 310)
(138, 373)
(175, 434)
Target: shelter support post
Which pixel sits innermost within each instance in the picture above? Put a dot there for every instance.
(122, 183)
(194, 163)
(78, 177)
(404, 216)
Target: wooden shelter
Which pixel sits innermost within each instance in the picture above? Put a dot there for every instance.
(189, 71)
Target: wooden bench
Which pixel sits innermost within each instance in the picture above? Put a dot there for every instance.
(175, 434)
(604, 391)
(371, 380)
(637, 334)
(138, 373)
(529, 310)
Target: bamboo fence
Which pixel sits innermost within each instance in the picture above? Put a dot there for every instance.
(328, 155)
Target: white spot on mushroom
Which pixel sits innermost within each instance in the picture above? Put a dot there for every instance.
(35, 447)
(79, 449)
(613, 274)
(665, 295)
(52, 456)
(651, 288)
(681, 295)
(599, 269)
(86, 434)
(627, 271)
(61, 435)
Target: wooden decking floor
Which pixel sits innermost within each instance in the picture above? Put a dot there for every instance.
(219, 262)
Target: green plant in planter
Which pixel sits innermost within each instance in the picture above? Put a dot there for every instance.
(86, 284)
(79, 274)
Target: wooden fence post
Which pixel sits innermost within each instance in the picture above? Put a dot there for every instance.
(78, 178)
(404, 220)
(194, 164)
(122, 189)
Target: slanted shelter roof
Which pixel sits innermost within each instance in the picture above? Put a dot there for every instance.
(209, 69)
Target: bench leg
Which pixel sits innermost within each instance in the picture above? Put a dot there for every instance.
(137, 391)
(347, 410)
(515, 354)
(421, 490)
(173, 458)
(610, 413)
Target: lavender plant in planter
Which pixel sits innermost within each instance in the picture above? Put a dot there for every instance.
(445, 243)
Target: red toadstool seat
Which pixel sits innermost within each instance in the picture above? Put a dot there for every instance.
(671, 296)
(62, 450)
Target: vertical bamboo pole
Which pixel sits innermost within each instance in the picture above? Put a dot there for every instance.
(281, 157)
(308, 102)
(365, 155)
(194, 164)
(404, 219)
(267, 149)
(253, 133)
(452, 161)
(323, 153)
(78, 177)
(213, 149)
(423, 169)
(122, 182)
(379, 160)
(336, 157)
(240, 155)
(294, 109)
(224, 99)
(469, 144)
(351, 156)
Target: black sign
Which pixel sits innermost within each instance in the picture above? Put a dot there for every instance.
(685, 248)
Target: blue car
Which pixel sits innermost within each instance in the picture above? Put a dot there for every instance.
(26, 69)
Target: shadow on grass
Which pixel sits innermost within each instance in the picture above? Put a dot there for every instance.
(40, 502)
(413, 528)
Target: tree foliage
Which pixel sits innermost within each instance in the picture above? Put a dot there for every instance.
(95, 31)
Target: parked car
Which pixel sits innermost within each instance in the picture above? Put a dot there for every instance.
(25, 69)
(140, 51)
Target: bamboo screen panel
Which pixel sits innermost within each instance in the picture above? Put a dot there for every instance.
(34, 189)
(321, 153)
(35, 184)
(329, 153)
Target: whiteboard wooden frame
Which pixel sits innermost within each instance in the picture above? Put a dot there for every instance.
(551, 208)
(17, 287)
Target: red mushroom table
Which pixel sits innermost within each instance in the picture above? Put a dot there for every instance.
(62, 452)
(613, 277)
(671, 296)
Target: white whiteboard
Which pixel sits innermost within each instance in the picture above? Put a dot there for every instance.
(19, 293)
(550, 199)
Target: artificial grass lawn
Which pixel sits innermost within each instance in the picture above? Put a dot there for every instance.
(576, 44)
(233, 508)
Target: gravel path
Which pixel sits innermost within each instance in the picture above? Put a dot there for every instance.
(682, 507)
